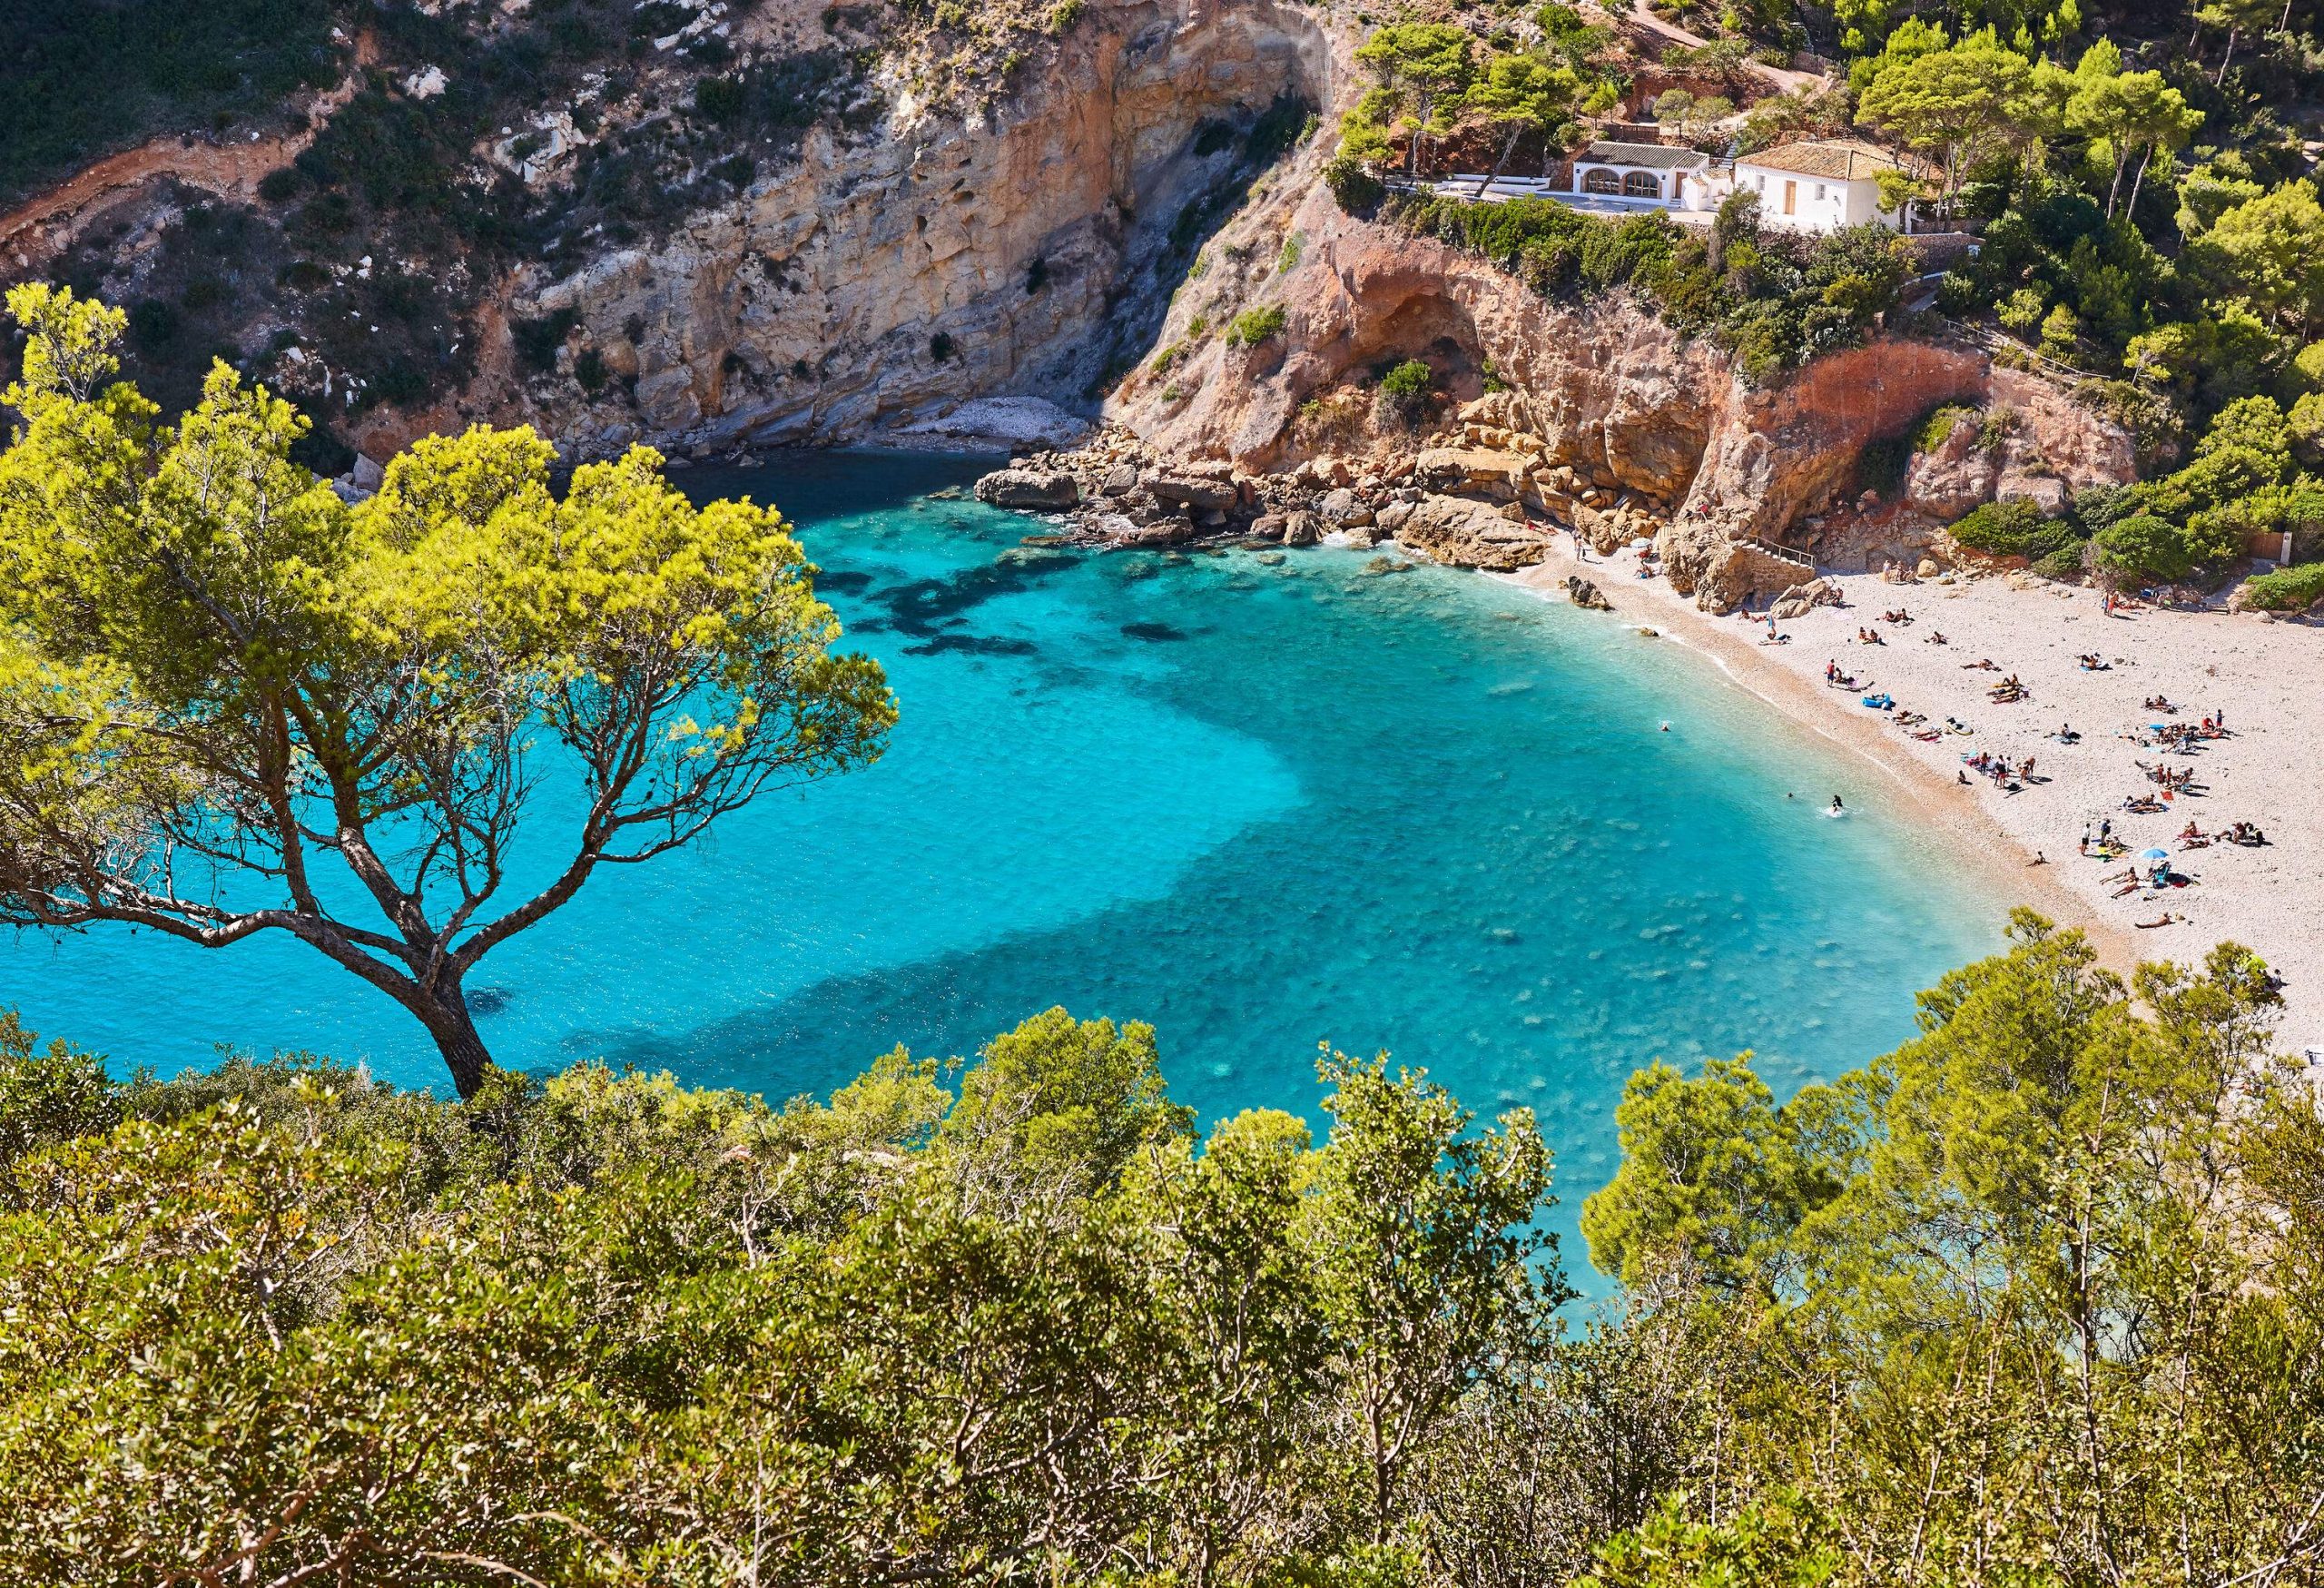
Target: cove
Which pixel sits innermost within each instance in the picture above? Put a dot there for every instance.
(1261, 799)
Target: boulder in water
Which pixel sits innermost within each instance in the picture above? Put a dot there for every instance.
(1028, 488)
(1586, 594)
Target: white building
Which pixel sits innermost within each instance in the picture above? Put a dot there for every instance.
(1821, 184)
(1655, 173)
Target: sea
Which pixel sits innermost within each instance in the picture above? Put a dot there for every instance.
(1270, 801)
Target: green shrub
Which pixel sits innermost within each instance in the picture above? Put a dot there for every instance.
(589, 370)
(2141, 547)
(1407, 392)
(1255, 326)
(1937, 429)
(2291, 589)
(2012, 528)
(1357, 190)
(2064, 564)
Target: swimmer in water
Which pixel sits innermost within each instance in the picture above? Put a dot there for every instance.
(1666, 727)
(1836, 804)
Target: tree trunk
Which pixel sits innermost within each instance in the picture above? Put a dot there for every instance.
(2132, 214)
(446, 1016)
(2223, 60)
(1502, 163)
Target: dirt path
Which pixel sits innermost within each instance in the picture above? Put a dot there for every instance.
(1784, 79)
(42, 227)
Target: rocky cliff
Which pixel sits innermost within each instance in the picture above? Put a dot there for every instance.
(781, 223)
(1026, 250)
(1600, 413)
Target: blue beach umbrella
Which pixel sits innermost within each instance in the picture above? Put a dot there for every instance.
(2154, 854)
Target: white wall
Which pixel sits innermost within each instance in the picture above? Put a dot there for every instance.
(1820, 204)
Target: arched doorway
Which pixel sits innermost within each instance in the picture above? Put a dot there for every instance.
(1601, 182)
(1642, 184)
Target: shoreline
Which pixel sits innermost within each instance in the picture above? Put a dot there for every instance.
(1997, 848)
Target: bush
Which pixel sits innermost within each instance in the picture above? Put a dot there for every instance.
(2141, 547)
(2013, 528)
(1937, 429)
(2291, 589)
(1407, 393)
(589, 370)
(1255, 326)
(1357, 190)
(2065, 565)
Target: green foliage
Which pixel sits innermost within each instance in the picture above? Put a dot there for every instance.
(609, 1328)
(2012, 528)
(1712, 1171)
(1356, 190)
(47, 1094)
(1422, 70)
(2141, 547)
(2271, 249)
(1255, 326)
(1778, 1540)
(78, 81)
(204, 652)
(1407, 392)
(2291, 589)
(1935, 431)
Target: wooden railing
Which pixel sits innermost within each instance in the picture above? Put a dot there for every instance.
(1789, 554)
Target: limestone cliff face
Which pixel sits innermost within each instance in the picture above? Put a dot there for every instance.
(1011, 253)
(1607, 387)
(1604, 390)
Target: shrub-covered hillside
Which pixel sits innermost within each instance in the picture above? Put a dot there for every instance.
(2033, 1300)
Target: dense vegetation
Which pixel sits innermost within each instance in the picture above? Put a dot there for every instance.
(2032, 1300)
(78, 80)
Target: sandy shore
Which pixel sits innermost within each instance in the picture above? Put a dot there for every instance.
(2267, 678)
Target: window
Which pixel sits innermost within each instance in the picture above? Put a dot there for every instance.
(1642, 184)
(1820, 192)
(1602, 181)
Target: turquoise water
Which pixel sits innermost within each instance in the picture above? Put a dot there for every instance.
(1260, 799)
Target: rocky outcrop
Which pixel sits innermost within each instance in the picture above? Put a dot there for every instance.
(1597, 415)
(1471, 535)
(1803, 598)
(1036, 489)
(1582, 593)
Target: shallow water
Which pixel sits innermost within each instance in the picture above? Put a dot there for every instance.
(1260, 799)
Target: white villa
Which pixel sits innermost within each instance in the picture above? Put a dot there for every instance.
(1821, 184)
(1818, 184)
(1675, 178)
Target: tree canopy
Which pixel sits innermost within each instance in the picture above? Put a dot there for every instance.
(2035, 1299)
(231, 703)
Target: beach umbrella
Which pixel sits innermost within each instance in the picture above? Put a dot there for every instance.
(2154, 854)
